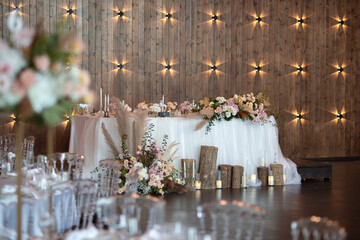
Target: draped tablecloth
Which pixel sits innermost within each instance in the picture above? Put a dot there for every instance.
(239, 142)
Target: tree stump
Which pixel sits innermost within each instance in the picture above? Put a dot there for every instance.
(207, 167)
(263, 174)
(189, 171)
(237, 172)
(277, 170)
(225, 175)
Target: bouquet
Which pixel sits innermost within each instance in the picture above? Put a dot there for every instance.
(39, 76)
(247, 106)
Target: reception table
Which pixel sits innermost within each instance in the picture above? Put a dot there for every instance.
(239, 142)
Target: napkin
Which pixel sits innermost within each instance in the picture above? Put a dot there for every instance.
(90, 232)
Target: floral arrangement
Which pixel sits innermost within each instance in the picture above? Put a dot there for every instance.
(172, 106)
(143, 106)
(247, 106)
(39, 78)
(155, 108)
(186, 106)
(151, 165)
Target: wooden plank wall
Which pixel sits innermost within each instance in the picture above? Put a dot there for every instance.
(145, 41)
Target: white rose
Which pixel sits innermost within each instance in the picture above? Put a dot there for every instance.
(41, 94)
(227, 114)
(211, 103)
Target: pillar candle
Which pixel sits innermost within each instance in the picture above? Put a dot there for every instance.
(284, 177)
(197, 185)
(253, 179)
(262, 162)
(243, 182)
(271, 180)
(184, 170)
(193, 173)
(218, 184)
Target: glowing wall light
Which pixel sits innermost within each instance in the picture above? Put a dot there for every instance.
(258, 19)
(258, 68)
(70, 11)
(120, 13)
(215, 17)
(168, 15)
(168, 67)
(341, 22)
(213, 67)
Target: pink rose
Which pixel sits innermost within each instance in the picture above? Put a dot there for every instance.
(5, 82)
(42, 62)
(218, 110)
(27, 78)
(18, 88)
(24, 38)
(5, 68)
(230, 101)
(208, 112)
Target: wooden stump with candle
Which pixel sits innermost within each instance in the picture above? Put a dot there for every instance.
(277, 170)
(263, 173)
(237, 172)
(189, 171)
(207, 167)
(225, 175)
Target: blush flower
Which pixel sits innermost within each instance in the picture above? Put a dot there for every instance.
(24, 37)
(42, 62)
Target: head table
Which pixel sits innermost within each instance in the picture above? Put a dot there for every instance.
(239, 142)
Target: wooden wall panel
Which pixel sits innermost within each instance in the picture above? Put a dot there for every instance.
(144, 41)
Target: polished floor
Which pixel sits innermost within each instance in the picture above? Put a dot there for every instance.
(337, 200)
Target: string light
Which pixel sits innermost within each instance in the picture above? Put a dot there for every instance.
(258, 68)
(215, 17)
(168, 67)
(168, 15)
(258, 19)
(341, 22)
(70, 11)
(213, 67)
(120, 13)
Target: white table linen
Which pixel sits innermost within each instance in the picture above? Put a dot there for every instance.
(239, 142)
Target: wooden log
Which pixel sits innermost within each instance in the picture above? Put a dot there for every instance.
(263, 174)
(237, 172)
(277, 170)
(190, 171)
(207, 167)
(225, 175)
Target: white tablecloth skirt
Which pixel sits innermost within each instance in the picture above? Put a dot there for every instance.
(239, 142)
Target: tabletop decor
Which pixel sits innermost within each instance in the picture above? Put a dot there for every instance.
(246, 107)
(152, 163)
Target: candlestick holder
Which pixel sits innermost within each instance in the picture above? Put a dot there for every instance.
(106, 114)
(164, 114)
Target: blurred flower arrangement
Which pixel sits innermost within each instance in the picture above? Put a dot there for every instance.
(39, 76)
(246, 107)
(151, 164)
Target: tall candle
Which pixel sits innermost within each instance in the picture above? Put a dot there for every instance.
(101, 99)
(193, 173)
(197, 185)
(184, 170)
(284, 178)
(193, 103)
(108, 103)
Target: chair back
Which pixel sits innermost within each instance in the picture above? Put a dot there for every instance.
(68, 163)
(231, 220)
(64, 206)
(138, 214)
(317, 228)
(85, 196)
(108, 177)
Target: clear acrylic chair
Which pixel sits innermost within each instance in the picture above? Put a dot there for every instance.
(86, 196)
(63, 206)
(231, 220)
(134, 214)
(9, 142)
(108, 177)
(317, 228)
(68, 163)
